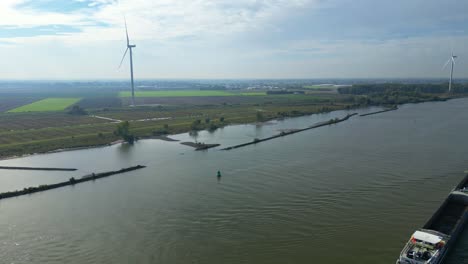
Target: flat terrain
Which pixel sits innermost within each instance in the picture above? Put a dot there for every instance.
(37, 120)
(187, 93)
(100, 102)
(41, 125)
(48, 104)
(318, 86)
(32, 132)
(232, 100)
(8, 103)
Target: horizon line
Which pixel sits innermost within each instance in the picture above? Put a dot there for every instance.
(221, 79)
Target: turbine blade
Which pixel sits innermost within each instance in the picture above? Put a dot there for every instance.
(453, 59)
(123, 57)
(126, 31)
(451, 46)
(445, 65)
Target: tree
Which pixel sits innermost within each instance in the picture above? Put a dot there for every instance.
(123, 130)
(259, 116)
(212, 127)
(196, 124)
(77, 110)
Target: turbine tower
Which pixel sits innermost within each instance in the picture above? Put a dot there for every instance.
(129, 47)
(452, 60)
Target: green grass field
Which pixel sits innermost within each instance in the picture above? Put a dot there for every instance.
(45, 105)
(186, 93)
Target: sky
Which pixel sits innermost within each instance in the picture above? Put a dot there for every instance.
(227, 39)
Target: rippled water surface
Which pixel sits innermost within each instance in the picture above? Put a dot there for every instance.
(347, 193)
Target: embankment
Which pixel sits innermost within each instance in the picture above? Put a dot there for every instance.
(71, 181)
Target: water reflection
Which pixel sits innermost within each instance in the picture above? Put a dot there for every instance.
(194, 135)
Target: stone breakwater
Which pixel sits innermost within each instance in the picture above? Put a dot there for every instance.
(294, 131)
(71, 181)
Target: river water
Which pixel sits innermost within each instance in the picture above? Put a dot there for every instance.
(346, 193)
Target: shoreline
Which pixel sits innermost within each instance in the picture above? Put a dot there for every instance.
(163, 138)
(168, 139)
(61, 150)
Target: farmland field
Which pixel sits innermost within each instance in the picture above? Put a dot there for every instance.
(100, 102)
(48, 104)
(185, 93)
(320, 87)
(37, 120)
(233, 100)
(8, 103)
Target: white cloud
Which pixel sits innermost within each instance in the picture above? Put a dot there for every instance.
(220, 39)
(159, 20)
(407, 58)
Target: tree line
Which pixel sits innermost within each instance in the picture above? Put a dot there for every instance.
(413, 89)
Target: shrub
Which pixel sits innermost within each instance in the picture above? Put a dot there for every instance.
(259, 116)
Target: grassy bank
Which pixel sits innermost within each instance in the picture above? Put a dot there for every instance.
(47, 132)
(26, 133)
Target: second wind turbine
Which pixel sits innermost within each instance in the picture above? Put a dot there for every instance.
(452, 60)
(129, 47)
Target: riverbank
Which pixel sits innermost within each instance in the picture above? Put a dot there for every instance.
(20, 143)
(71, 181)
(171, 131)
(54, 137)
(62, 150)
(164, 138)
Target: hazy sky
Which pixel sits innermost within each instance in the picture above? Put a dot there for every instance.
(85, 39)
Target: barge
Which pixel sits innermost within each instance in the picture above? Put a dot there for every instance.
(431, 243)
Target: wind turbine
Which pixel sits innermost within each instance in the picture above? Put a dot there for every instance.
(129, 47)
(452, 60)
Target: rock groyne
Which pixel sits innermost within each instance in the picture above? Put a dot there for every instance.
(36, 168)
(71, 181)
(294, 131)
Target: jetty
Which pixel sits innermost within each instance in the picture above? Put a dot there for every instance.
(199, 145)
(36, 168)
(71, 181)
(382, 111)
(293, 131)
